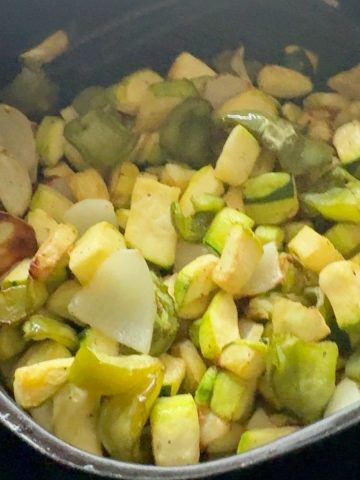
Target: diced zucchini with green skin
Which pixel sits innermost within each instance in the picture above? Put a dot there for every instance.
(194, 331)
(36, 383)
(238, 157)
(194, 365)
(166, 324)
(220, 227)
(347, 144)
(306, 323)
(100, 137)
(175, 431)
(111, 375)
(123, 417)
(258, 437)
(232, 397)
(19, 275)
(270, 233)
(131, 89)
(90, 251)
(271, 198)
(205, 388)
(251, 99)
(203, 181)
(187, 66)
(345, 238)
(336, 204)
(212, 427)
(346, 393)
(51, 201)
(340, 281)
(313, 250)
(194, 284)
(192, 228)
(174, 374)
(219, 325)
(241, 254)
(75, 416)
(122, 184)
(159, 100)
(42, 223)
(43, 327)
(99, 342)
(12, 342)
(149, 226)
(186, 133)
(227, 443)
(303, 375)
(208, 203)
(267, 273)
(59, 300)
(52, 254)
(88, 184)
(50, 140)
(245, 358)
(282, 82)
(291, 229)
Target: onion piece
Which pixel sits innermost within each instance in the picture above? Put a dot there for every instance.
(267, 274)
(120, 300)
(17, 137)
(89, 212)
(15, 184)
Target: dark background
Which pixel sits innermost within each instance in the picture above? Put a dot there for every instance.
(334, 459)
(107, 47)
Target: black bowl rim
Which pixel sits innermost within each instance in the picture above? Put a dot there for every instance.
(21, 424)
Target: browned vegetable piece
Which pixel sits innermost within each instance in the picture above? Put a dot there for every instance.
(17, 241)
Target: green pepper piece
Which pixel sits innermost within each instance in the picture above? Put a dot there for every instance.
(297, 153)
(44, 327)
(303, 375)
(123, 417)
(90, 99)
(186, 133)
(191, 228)
(111, 375)
(100, 137)
(166, 322)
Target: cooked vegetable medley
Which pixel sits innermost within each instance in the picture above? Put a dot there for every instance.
(180, 255)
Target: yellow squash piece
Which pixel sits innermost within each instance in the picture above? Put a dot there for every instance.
(188, 66)
(314, 250)
(149, 227)
(174, 374)
(245, 358)
(53, 251)
(258, 437)
(97, 244)
(254, 100)
(175, 431)
(194, 364)
(88, 184)
(36, 383)
(242, 253)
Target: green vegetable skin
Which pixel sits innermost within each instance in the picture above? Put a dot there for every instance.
(100, 137)
(201, 209)
(297, 154)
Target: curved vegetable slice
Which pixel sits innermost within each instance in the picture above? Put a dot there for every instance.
(16, 136)
(112, 375)
(15, 184)
(17, 241)
(120, 300)
(43, 327)
(89, 212)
